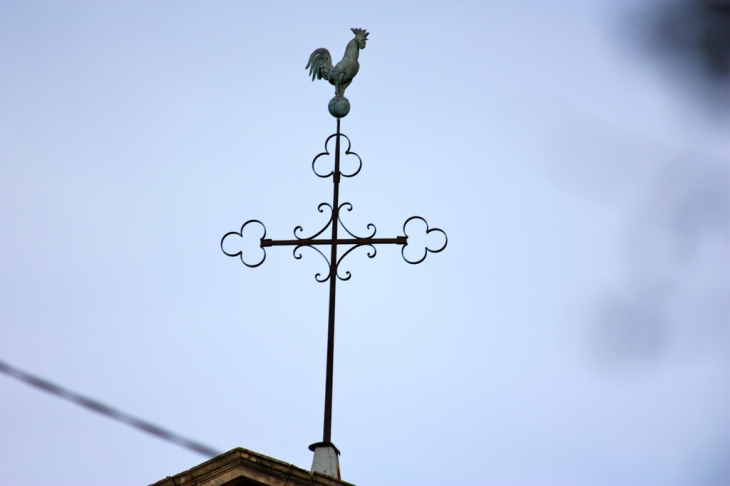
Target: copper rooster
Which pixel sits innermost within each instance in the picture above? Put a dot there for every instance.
(320, 64)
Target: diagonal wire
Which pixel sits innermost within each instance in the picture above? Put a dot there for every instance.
(110, 412)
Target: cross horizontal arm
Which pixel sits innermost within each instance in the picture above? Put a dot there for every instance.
(400, 240)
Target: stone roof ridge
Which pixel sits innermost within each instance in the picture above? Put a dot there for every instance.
(243, 467)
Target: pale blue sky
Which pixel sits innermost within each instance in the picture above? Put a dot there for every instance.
(575, 330)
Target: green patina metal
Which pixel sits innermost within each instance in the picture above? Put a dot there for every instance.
(341, 75)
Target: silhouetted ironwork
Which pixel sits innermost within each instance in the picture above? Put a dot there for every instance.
(333, 262)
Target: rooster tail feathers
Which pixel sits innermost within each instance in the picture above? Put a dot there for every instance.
(320, 64)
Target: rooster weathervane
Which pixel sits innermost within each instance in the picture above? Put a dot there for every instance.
(341, 75)
(340, 241)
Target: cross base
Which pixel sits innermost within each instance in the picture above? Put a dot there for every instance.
(325, 459)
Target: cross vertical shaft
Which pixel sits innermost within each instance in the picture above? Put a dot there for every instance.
(327, 434)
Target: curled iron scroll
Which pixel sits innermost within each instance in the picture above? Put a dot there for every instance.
(371, 254)
(348, 207)
(240, 235)
(329, 222)
(326, 152)
(318, 276)
(426, 249)
(348, 152)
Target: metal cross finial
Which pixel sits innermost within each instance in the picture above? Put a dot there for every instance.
(334, 242)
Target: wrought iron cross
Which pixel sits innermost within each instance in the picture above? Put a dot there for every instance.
(334, 242)
(352, 243)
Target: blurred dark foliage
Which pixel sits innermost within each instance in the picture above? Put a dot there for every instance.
(673, 298)
(697, 31)
(692, 39)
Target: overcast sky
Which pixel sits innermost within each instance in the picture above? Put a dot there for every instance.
(574, 331)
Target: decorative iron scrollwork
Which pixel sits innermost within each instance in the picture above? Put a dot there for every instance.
(327, 152)
(329, 222)
(426, 249)
(371, 254)
(318, 276)
(335, 221)
(239, 253)
(370, 226)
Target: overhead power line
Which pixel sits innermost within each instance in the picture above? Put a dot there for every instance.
(110, 412)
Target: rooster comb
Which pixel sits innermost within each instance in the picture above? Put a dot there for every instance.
(360, 32)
